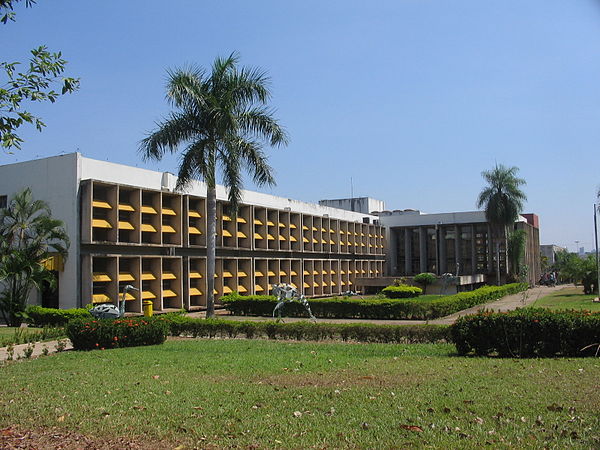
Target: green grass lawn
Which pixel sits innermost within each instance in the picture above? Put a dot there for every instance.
(568, 298)
(265, 394)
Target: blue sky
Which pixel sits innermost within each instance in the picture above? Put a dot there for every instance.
(412, 99)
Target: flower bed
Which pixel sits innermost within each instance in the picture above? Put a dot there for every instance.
(89, 334)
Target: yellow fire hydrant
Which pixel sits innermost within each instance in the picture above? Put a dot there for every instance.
(147, 307)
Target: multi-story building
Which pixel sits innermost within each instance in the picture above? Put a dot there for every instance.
(550, 251)
(129, 226)
(458, 243)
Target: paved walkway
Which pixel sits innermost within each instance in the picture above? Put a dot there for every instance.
(507, 303)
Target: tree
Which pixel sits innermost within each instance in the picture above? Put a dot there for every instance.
(515, 252)
(425, 279)
(223, 120)
(502, 200)
(34, 84)
(28, 234)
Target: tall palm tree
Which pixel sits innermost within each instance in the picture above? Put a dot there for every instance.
(223, 120)
(28, 234)
(502, 200)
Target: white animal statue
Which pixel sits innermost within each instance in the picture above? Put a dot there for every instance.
(287, 294)
(110, 311)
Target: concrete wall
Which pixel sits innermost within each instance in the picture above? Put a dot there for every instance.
(53, 180)
(365, 205)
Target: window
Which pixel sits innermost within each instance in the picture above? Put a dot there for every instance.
(3, 201)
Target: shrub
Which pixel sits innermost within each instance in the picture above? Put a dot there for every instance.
(308, 331)
(527, 333)
(424, 279)
(402, 291)
(40, 317)
(88, 334)
(357, 308)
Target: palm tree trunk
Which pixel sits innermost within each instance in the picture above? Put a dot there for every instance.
(211, 244)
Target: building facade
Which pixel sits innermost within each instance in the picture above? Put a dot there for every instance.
(129, 226)
(459, 243)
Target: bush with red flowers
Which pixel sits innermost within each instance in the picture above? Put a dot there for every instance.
(89, 334)
(526, 333)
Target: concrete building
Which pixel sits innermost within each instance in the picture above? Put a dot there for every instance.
(129, 226)
(365, 205)
(458, 243)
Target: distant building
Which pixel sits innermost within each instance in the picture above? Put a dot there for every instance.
(550, 251)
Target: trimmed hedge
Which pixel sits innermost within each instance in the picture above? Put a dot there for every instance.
(89, 334)
(41, 317)
(402, 291)
(527, 333)
(308, 331)
(356, 308)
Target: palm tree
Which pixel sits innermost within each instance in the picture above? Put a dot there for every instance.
(223, 120)
(28, 234)
(503, 200)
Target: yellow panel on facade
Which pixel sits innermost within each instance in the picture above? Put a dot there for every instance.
(292, 226)
(146, 276)
(148, 209)
(331, 242)
(241, 220)
(241, 234)
(192, 213)
(304, 240)
(241, 289)
(123, 225)
(257, 222)
(293, 239)
(306, 272)
(258, 273)
(226, 233)
(258, 236)
(314, 229)
(54, 262)
(168, 212)
(168, 293)
(293, 285)
(258, 288)
(282, 238)
(227, 290)
(195, 291)
(227, 274)
(315, 272)
(315, 284)
(270, 223)
(241, 274)
(304, 227)
(282, 273)
(271, 273)
(126, 207)
(168, 229)
(306, 285)
(194, 230)
(226, 218)
(101, 223)
(342, 283)
(270, 238)
(100, 298)
(168, 276)
(125, 276)
(101, 277)
(293, 273)
(281, 225)
(324, 272)
(101, 204)
(149, 228)
(195, 275)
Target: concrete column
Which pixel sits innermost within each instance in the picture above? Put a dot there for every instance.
(442, 246)
(423, 249)
(392, 254)
(407, 251)
(473, 254)
(490, 250)
(457, 258)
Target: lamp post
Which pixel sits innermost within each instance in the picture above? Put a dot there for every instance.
(596, 241)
